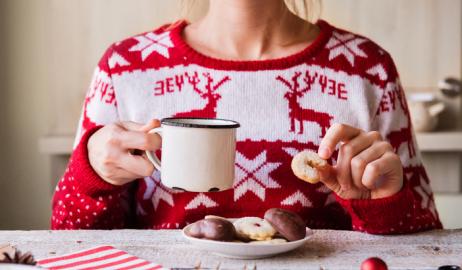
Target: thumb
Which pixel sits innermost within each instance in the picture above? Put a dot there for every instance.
(328, 176)
(150, 125)
(133, 126)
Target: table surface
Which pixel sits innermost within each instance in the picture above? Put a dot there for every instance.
(326, 250)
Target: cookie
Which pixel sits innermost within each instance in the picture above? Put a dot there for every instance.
(218, 229)
(213, 216)
(305, 165)
(287, 223)
(254, 228)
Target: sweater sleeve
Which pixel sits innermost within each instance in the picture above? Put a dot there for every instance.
(413, 208)
(82, 200)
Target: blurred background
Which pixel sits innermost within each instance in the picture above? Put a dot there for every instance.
(48, 49)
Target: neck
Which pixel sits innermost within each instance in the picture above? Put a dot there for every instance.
(249, 29)
(250, 15)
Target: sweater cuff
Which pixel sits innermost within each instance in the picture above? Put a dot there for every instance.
(87, 180)
(380, 216)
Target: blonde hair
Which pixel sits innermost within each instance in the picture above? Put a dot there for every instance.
(309, 10)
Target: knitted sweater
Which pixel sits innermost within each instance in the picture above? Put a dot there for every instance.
(283, 105)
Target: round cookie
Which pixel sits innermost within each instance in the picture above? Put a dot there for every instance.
(254, 228)
(218, 229)
(213, 216)
(305, 165)
(287, 224)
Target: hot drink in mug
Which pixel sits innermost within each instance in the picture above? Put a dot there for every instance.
(198, 154)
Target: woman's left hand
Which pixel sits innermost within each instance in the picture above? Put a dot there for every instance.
(367, 167)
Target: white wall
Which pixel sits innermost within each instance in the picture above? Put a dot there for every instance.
(24, 183)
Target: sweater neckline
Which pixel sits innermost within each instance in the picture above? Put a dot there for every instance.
(190, 55)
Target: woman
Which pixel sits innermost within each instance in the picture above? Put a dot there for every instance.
(292, 85)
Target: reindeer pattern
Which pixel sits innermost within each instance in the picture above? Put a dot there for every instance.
(403, 135)
(298, 113)
(209, 93)
(293, 104)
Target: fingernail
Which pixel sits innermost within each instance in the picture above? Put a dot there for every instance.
(324, 152)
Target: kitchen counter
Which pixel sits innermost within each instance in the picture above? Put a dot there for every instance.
(327, 249)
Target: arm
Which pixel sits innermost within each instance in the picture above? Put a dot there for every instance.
(83, 200)
(379, 178)
(412, 209)
(92, 194)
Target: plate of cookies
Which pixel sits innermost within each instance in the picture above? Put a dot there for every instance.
(278, 232)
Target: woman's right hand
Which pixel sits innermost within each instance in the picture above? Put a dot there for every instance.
(112, 151)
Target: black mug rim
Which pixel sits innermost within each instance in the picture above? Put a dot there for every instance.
(170, 121)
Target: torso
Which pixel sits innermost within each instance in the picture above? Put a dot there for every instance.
(337, 79)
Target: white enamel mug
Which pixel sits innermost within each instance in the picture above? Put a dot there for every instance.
(198, 154)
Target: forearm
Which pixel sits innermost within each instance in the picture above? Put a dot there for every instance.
(83, 200)
(397, 214)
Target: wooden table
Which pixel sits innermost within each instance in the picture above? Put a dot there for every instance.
(327, 250)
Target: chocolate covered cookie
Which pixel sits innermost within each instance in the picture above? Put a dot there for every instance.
(217, 229)
(288, 224)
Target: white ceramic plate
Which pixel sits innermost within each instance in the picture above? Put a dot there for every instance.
(245, 250)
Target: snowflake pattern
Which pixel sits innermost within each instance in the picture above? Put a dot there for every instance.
(201, 199)
(297, 197)
(253, 175)
(346, 45)
(151, 42)
(117, 60)
(157, 192)
(378, 70)
(291, 151)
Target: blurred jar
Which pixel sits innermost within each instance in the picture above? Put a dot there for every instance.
(424, 110)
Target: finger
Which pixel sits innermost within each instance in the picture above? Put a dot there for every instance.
(346, 154)
(388, 164)
(356, 154)
(140, 140)
(132, 126)
(335, 134)
(327, 175)
(150, 125)
(137, 165)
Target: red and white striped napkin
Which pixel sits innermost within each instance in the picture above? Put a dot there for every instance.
(102, 257)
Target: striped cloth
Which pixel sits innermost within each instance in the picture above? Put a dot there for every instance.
(102, 257)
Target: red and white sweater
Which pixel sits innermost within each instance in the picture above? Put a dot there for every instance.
(284, 106)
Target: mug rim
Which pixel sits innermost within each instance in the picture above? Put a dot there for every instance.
(170, 121)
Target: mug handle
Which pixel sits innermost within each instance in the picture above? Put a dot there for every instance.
(151, 155)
